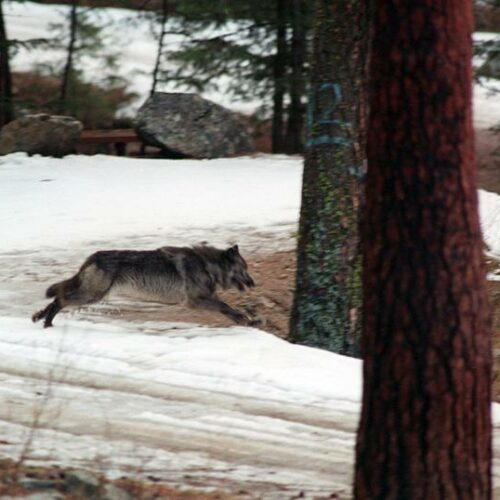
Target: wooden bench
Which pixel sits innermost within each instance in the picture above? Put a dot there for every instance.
(118, 138)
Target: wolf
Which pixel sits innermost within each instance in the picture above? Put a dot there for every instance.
(189, 275)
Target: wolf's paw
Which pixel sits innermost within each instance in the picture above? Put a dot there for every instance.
(255, 322)
(37, 316)
(240, 319)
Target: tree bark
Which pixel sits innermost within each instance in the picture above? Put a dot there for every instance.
(425, 430)
(68, 68)
(6, 106)
(279, 77)
(327, 304)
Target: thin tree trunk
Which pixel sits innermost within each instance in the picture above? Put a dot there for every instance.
(279, 77)
(6, 106)
(294, 136)
(68, 68)
(425, 430)
(327, 304)
(164, 17)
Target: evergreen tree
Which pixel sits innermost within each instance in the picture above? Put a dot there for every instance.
(81, 35)
(279, 65)
(161, 40)
(425, 430)
(68, 68)
(7, 51)
(327, 305)
(298, 55)
(248, 46)
(6, 104)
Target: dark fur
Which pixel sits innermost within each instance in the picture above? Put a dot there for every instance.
(167, 275)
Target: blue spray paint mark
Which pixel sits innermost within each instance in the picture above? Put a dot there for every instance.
(332, 94)
(335, 98)
(328, 140)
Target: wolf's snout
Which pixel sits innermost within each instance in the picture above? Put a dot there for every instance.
(243, 281)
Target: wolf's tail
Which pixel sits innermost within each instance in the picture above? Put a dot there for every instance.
(63, 288)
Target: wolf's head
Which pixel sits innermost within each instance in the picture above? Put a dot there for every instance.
(227, 267)
(237, 275)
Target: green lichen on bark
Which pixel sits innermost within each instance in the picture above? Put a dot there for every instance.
(327, 305)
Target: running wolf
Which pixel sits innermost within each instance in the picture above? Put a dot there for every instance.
(168, 275)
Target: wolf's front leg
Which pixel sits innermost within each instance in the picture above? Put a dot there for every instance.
(215, 304)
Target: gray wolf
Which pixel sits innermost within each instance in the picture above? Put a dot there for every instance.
(189, 275)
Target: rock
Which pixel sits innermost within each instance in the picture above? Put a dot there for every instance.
(188, 126)
(46, 495)
(491, 67)
(112, 492)
(83, 483)
(37, 484)
(48, 135)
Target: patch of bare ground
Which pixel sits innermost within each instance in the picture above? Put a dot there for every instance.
(271, 300)
(494, 294)
(488, 159)
(22, 481)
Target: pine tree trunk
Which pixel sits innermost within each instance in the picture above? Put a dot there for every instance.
(279, 77)
(164, 16)
(6, 107)
(295, 124)
(425, 430)
(68, 68)
(326, 310)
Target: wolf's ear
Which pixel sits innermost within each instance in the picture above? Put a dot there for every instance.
(234, 250)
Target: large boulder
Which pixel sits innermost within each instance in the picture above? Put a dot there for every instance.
(491, 67)
(188, 126)
(48, 135)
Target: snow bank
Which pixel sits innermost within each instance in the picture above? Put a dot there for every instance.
(82, 200)
(236, 361)
(77, 199)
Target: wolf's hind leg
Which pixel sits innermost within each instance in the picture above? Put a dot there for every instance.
(93, 285)
(41, 314)
(53, 308)
(48, 313)
(89, 286)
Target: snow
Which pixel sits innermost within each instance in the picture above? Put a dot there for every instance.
(487, 104)
(219, 407)
(30, 20)
(489, 209)
(159, 197)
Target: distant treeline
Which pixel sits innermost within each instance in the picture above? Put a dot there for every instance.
(487, 13)
(122, 4)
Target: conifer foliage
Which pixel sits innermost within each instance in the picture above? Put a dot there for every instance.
(258, 50)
